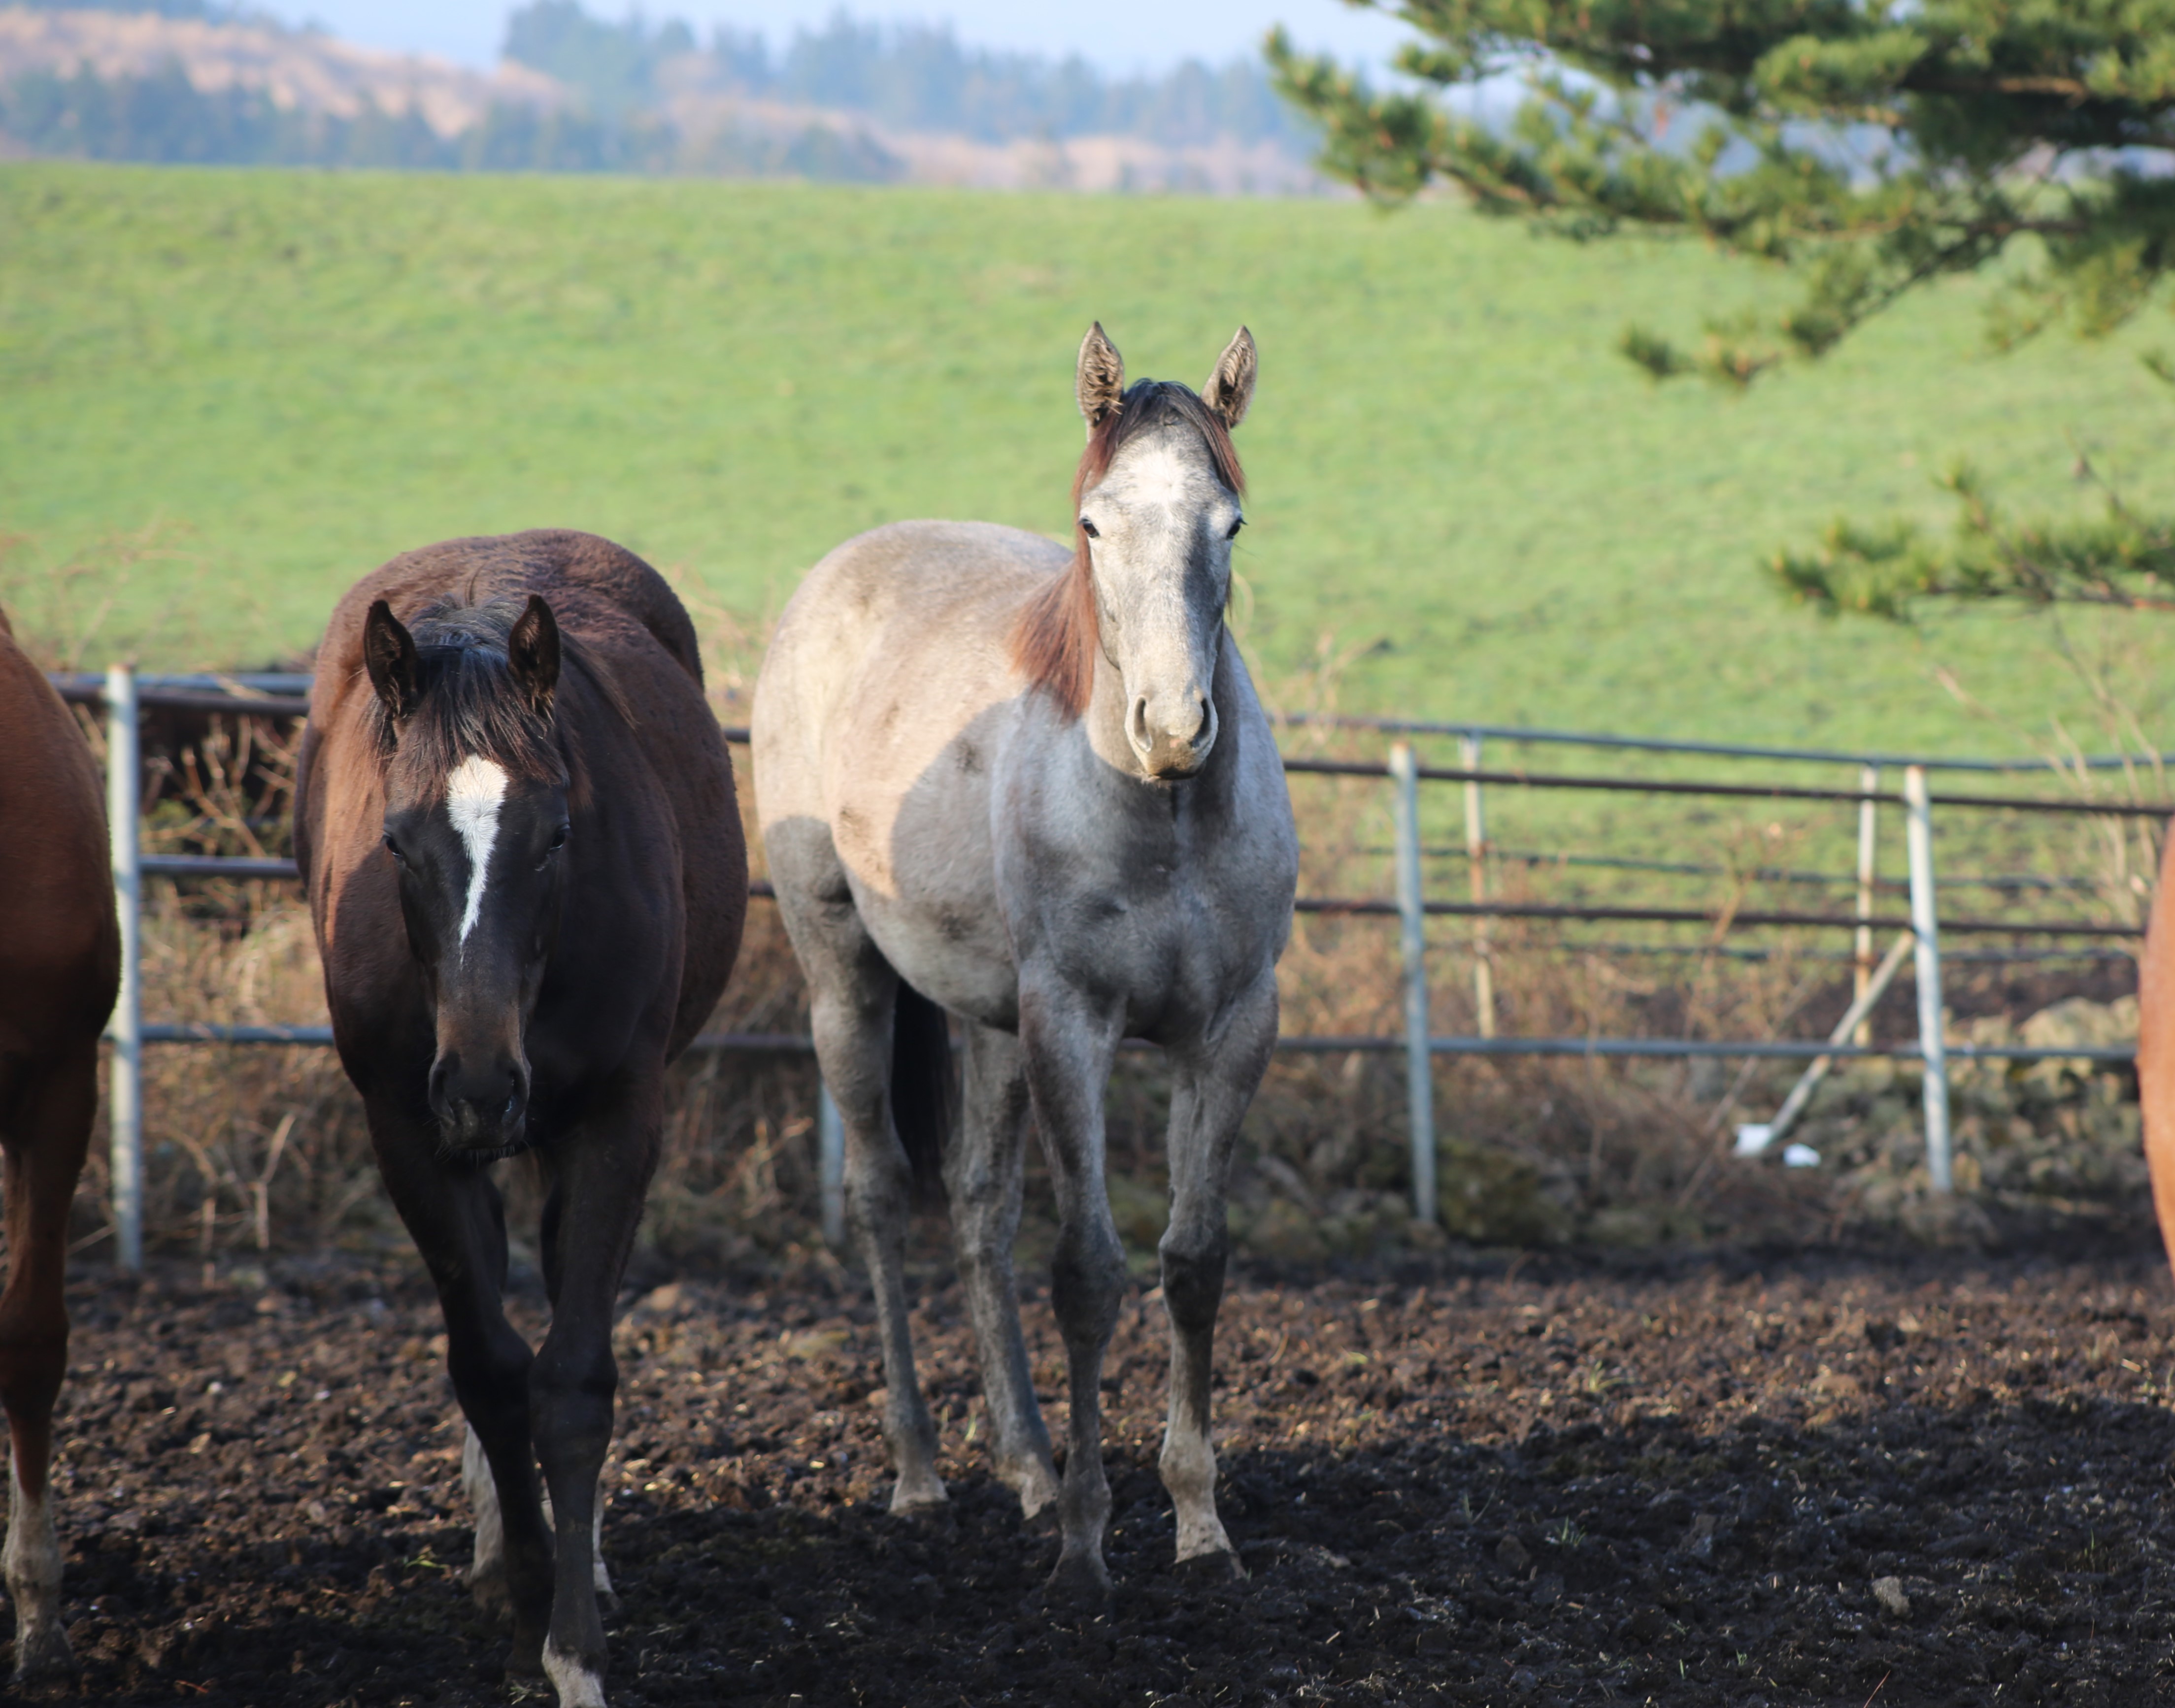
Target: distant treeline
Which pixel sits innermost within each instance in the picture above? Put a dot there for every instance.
(909, 77)
(165, 119)
(163, 8)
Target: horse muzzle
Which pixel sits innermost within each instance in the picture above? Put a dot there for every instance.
(1172, 741)
(482, 1103)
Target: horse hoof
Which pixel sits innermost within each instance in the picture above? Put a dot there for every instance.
(525, 1660)
(1078, 1580)
(1221, 1566)
(911, 1501)
(43, 1655)
(579, 1684)
(1040, 1521)
(491, 1598)
(1037, 1487)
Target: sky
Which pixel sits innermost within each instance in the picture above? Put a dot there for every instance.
(1118, 36)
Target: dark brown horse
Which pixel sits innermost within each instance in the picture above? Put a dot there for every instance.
(60, 966)
(517, 821)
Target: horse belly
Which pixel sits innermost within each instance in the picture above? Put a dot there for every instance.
(911, 821)
(952, 949)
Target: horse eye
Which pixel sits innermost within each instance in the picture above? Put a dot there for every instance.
(1232, 532)
(392, 848)
(1089, 529)
(558, 841)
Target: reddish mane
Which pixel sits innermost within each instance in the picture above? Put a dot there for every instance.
(1054, 640)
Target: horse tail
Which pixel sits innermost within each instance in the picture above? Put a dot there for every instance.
(922, 1093)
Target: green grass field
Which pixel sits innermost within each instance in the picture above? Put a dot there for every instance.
(262, 384)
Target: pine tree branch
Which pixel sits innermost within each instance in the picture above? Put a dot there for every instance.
(1989, 109)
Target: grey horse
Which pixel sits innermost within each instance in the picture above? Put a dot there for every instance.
(1034, 787)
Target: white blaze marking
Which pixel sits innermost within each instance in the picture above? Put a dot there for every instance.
(473, 794)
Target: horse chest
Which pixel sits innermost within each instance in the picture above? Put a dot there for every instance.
(1159, 936)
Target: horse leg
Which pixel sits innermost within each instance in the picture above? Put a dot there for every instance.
(601, 1174)
(458, 1221)
(44, 1144)
(1208, 1100)
(486, 1573)
(853, 995)
(1069, 1050)
(983, 1176)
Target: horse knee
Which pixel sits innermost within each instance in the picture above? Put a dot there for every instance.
(978, 1209)
(33, 1363)
(570, 1405)
(1193, 1264)
(1087, 1279)
(491, 1385)
(876, 1200)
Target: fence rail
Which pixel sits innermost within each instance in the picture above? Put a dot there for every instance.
(123, 697)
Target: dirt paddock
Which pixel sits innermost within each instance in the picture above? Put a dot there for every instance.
(1796, 1480)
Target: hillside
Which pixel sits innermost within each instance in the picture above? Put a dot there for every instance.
(303, 70)
(270, 382)
(851, 102)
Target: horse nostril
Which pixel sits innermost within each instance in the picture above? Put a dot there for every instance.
(1136, 724)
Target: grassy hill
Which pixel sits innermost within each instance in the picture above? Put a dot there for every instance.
(224, 395)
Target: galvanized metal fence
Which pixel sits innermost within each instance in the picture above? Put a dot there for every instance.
(124, 697)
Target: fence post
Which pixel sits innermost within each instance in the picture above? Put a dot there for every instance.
(1869, 782)
(1476, 863)
(831, 1165)
(125, 1090)
(1919, 824)
(1419, 1065)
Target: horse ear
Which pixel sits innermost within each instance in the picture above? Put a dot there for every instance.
(389, 653)
(1230, 388)
(1100, 384)
(532, 648)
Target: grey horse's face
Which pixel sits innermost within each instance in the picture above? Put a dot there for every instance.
(1159, 528)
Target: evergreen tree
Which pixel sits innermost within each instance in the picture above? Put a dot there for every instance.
(1870, 146)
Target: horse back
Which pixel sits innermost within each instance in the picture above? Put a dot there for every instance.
(60, 940)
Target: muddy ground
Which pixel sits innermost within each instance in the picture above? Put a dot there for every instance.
(1555, 1481)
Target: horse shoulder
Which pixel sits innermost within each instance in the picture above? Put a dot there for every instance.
(894, 646)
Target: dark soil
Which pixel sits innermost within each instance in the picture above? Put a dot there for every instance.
(1573, 1483)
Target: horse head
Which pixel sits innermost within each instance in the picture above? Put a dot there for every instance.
(1157, 506)
(476, 825)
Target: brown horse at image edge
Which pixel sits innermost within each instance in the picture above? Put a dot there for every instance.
(515, 817)
(2155, 1048)
(60, 968)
